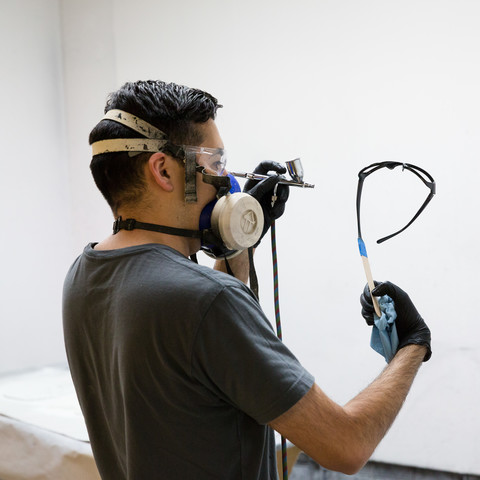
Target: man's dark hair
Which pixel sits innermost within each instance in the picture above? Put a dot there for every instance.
(174, 109)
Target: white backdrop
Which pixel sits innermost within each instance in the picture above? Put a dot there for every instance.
(35, 218)
(341, 84)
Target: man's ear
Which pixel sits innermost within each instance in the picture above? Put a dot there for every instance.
(158, 166)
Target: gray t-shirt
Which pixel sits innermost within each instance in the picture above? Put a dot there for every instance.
(176, 367)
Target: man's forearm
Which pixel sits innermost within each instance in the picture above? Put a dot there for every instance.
(344, 438)
(375, 408)
(239, 265)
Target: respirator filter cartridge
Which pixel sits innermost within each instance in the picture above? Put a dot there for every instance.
(238, 220)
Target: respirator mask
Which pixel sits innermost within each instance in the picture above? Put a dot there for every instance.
(232, 222)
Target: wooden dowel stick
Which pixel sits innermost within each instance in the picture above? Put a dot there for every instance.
(371, 284)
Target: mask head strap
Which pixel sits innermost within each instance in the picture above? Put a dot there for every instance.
(423, 175)
(135, 123)
(132, 224)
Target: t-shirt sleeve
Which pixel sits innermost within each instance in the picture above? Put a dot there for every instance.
(238, 357)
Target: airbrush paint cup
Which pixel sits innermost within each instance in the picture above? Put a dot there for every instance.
(295, 170)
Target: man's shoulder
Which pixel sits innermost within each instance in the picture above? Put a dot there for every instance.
(152, 264)
(157, 260)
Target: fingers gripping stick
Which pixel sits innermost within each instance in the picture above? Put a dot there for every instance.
(368, 273)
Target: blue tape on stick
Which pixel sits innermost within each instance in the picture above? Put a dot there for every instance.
(362, 248)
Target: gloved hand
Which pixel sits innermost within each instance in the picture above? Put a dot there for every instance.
(411, 328)
(263, 191)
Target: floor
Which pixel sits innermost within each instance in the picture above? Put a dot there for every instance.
(307, 469)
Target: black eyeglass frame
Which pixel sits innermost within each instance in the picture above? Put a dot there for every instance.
(422, 174)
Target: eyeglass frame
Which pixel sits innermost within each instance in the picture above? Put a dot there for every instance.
(365, 172)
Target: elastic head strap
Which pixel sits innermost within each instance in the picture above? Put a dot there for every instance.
(155, 140)
(365, 172)
(139, 145)
(132, 224)
(135, 123)
(190, 177)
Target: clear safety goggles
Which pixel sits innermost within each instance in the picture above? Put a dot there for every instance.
(213, 160)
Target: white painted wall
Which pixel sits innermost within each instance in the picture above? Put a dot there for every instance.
(89, 70)
(341, 84)
(34, 199)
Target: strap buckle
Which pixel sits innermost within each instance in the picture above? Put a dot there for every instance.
(116, 225)
(119, 224)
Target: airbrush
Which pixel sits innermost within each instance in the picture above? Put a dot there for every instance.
(294, 168)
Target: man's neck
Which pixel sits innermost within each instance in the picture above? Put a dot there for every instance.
(122, 239)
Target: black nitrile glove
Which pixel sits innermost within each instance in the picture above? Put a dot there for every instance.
(411, 328)
(263, 190)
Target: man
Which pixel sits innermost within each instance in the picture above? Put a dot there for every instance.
(177, 370)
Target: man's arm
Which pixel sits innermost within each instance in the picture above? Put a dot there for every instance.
(263, 192)
(239, 265)
(344, 438)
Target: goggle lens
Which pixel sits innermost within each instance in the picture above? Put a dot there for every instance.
(214, 160)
